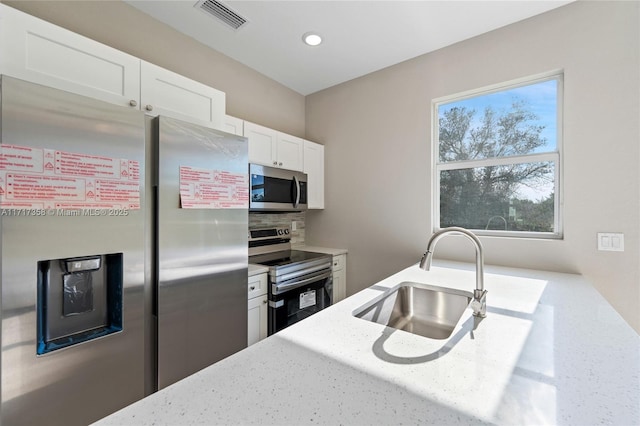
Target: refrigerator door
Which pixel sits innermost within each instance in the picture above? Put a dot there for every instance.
(72, 272)
(202, 249)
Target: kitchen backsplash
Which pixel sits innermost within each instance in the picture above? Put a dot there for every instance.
(265, 220)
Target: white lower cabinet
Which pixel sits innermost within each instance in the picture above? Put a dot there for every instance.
(257, 308)
(339, 269)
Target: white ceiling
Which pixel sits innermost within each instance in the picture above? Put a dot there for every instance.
(359, 36)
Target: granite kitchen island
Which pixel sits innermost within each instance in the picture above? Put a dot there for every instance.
(550, 351)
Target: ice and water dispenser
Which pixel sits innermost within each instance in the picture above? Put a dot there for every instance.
(79, 299)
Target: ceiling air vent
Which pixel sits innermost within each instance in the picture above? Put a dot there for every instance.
(222, 12)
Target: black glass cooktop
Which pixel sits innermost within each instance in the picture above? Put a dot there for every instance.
(285, 257)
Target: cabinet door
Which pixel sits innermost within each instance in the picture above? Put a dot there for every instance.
(257, 285)
(257, 319)
(339, 286)
(164, 92)
(262, 144)
(339, 268)
(40, 52)
(314, 168)
(290, 152)
(233, 125)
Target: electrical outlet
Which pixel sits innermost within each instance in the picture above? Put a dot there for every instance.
(610, 241)
(294, 225)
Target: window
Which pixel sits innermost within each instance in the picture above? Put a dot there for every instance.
(497, 159)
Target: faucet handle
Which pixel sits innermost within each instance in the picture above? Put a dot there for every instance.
(479, 303)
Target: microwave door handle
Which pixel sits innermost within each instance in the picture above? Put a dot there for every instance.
(297, 192)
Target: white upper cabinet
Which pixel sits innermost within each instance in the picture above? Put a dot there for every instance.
(233, 125)
(34, 50)
(37, 51)
(273, 148)
(314, 168)
(262, 143)
(164, 92)
(290, 152)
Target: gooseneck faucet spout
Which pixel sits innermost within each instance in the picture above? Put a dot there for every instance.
(479, 303)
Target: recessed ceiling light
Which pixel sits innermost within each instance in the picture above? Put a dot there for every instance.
(312, 39)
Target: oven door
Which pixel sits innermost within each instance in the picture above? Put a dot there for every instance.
(277, 189)
(299, 301)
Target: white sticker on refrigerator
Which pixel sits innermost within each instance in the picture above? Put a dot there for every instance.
(51, 179)
(213, 189)
(308, 298)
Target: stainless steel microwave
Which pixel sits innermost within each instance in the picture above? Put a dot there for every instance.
(273, 189)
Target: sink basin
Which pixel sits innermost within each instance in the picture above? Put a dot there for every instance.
(422, 309)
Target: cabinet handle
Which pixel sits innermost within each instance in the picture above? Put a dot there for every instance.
(253, 287)
(275, 163)
(149, 107)
(264, 301)
(133, 103)
(279, 164)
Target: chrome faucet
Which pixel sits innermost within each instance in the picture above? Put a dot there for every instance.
(479, 302)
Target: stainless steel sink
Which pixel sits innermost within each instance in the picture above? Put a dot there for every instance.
(422, 309)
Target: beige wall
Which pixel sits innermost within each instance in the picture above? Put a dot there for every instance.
(378, 145)
(377, 133)
(250, 95)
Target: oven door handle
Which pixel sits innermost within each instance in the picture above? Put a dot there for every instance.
(281, 288)
(296, 196)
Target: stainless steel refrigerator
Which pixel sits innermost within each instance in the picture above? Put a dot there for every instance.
(201, 248)
(71, 256)
(123, 253)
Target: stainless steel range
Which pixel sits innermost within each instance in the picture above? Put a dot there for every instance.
(300, 282)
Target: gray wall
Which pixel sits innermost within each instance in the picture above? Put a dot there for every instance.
(378, 148)
(250, 95)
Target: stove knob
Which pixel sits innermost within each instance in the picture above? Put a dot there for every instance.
(286, 231)
(279, 231)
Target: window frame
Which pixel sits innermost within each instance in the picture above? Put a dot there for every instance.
(548, 156)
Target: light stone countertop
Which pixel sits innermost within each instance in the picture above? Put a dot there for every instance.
(550, 351)
(257, 269)
(325, 250)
